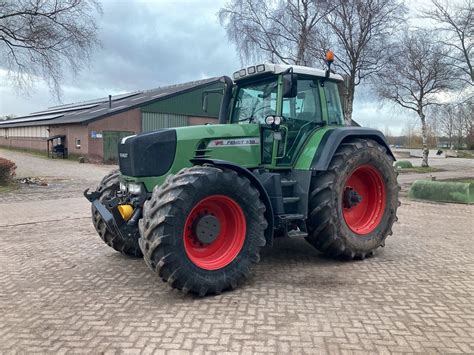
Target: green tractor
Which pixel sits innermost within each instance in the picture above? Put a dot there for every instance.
(200, 202)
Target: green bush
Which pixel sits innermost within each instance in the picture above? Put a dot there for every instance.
(403, 164)
(7, 171)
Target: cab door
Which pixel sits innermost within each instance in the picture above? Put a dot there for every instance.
(253, 103)
(301, 115)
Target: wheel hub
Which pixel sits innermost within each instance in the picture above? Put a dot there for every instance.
(214, 232)
(364, 199)
(351, 198)
(207, 228)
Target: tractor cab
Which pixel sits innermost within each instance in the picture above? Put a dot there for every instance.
(289, 103)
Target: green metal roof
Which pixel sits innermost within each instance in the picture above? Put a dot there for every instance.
(189, 103)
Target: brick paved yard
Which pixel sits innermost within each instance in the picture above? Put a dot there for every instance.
(63, 290)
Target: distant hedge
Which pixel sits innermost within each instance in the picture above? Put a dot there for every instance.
(442, 191)
(7, 171)
(403, 164)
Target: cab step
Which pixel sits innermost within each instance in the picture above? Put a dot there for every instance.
(286, 183)
(291, 199)
(297, 234)
(292, 217)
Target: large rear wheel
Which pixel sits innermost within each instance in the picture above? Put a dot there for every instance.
(202, 230)
(353, 205)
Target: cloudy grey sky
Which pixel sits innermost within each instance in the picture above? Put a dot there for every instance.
(147, 44)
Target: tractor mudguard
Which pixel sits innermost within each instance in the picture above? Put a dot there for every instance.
(255, 182)
(334, 137)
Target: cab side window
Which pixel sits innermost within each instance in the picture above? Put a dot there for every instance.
(306, 105)
(333, 102)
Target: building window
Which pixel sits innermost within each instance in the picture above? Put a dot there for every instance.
(78, 143)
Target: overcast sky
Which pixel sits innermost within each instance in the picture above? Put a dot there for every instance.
(155, 43)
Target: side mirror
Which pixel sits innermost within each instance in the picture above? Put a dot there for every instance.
(204, 101)
(205, 95)
(290, 84)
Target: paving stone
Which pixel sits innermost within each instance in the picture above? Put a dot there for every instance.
(62, 290)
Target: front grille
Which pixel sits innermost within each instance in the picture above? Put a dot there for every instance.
(148, 154)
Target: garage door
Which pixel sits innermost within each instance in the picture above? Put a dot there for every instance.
(151, 121)
(111, 141)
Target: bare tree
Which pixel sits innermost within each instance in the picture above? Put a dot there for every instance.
(432, 130)
(464, 122)
(291, 32)
(456, 122)
(41, 38)
(456, 23)
(281, 31)
(469, 122)
(415, 76)
(409, 132)
(361, 32)
(445, 116)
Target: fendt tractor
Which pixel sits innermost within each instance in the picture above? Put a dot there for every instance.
(200, 202)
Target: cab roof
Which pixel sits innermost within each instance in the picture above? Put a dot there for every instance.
(271, 68)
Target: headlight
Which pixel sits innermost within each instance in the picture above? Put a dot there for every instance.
(273, 120)
(135, 189)
(123, 187)
(270, 120)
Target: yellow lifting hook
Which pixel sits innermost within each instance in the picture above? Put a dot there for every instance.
(125, 211)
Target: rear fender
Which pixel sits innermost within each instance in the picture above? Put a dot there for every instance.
(334, 137)
(255, 182)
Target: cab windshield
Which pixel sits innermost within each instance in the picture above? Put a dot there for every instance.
(255, 101)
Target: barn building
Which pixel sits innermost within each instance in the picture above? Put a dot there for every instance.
(93, 128)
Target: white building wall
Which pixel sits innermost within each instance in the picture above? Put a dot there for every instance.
(25, 132)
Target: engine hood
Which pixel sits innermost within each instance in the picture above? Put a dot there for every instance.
(150, 157)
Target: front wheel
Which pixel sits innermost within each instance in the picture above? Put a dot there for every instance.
(108, 188)
(353, 205)
(202, 230)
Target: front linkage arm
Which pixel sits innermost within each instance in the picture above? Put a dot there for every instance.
(112, 217)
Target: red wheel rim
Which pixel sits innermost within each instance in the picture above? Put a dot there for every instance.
(228, 243)
(365, 216)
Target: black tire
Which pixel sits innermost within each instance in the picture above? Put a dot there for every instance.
(108, 187)
(328, 230)
(166, 214)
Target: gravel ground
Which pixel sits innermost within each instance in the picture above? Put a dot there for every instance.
(65, 178)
